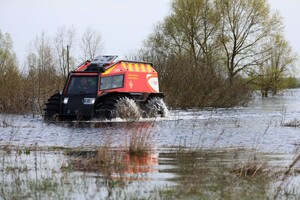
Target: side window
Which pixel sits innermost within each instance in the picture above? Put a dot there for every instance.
(111, 82)
(117, 81)
(106, 83)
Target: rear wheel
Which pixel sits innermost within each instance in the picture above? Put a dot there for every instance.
(52, 108)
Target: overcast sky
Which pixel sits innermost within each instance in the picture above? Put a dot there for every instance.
(122, 24)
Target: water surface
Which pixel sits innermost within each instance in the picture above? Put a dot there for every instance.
(196, 153)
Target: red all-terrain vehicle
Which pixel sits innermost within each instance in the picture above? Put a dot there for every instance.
(94, 89)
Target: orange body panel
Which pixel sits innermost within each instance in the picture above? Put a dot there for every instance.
(138, 77)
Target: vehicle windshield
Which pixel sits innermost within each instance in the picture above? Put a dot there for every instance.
(83, 85)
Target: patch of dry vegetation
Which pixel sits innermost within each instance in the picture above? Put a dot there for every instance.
(252, 169)
(137, 144)
(292, 123)
(140, 140)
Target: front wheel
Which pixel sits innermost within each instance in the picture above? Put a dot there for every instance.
(105, 110)
(155, 107)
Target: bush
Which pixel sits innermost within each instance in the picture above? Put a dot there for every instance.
(187, 86)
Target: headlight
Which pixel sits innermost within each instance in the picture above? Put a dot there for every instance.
(66, 99)
(88, 101)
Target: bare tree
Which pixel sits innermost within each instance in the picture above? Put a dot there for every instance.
(63, 43)
(246, 26)
(189, 32)
(186, 49)
(195, 23)
(91, 44)
(42, 71)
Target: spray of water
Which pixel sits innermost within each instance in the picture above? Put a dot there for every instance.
(126, 108)
(156, 107)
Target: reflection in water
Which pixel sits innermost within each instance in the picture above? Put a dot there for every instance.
(116, 161)
(212, 175)
(172, 174)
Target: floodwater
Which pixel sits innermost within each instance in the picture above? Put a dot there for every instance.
(257, 126)
(224, 140)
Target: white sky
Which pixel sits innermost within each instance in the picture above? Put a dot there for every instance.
(122, 24)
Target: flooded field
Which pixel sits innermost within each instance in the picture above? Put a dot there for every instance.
(245, 152)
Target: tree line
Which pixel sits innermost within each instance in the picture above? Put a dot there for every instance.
(207, 52)
(26, 88)
(215, 52)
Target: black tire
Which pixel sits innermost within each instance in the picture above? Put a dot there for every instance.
(106, 110)
(54, 101)
(52, 108)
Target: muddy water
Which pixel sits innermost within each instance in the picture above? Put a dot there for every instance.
(224, 140)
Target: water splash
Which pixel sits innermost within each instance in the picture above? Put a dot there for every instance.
(156, 107)
(127, 108)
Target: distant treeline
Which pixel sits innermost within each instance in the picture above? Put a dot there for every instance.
(208, 53)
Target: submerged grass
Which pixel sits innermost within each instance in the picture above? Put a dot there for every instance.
(136, 143)
(111, 173)
(209, 175)
(292, 123)
(140, 140)
(283, 189)
(252, 169)
(111, 170)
